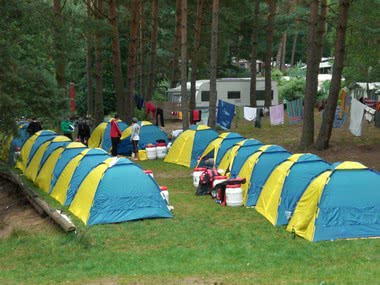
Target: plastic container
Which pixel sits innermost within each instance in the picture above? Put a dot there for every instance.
(161, 150)
(196, 174)
(234, 195)
(151, 151)
(165, 193)
(149, 172)
(219, 179)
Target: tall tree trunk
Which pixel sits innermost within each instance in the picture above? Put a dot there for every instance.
(89, 47)
(255, 33)
(132, 54)
(316, 34)
(184, 93)
(340, 49)
(99, 109)
(283, 56)
(279, 53)
(116, 59)
(142, 41)
(194, 61)
(268, 55)
(153, 45)
(213, 64)
(176, 44)
(294, 49)
(60, 61)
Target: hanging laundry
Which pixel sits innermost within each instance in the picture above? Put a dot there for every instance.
(139, 101)
(343, 96)
(357, 112)
(370, 103)
(369, 114)
(226, 112)
(377, 119)
(338, 119)
(295, 111)
(276, 114)
(250, 113)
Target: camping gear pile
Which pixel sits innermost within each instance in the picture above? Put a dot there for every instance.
(311, 197)
(96, 187)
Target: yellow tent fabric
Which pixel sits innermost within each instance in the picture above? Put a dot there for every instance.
(95, 139)
(351, 165)
(63, 182)
(25, 150)
(81, 205)
(246, 170)
(213, 146)
(303, 219)
(267, 203)
(44, 177)
(180, 151)
(34, 166)
(127, 132)
(228, 158)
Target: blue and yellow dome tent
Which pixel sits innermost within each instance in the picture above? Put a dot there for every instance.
(286, 184)
(257, 169)
(228, 159)
(339, 204)
(190, 144)
(31, 145)
(72, 150)
(116, 191)
(219, 146)
(75, 172)
(149, 134)
(41, 155)
(44, 180)
(100, 136)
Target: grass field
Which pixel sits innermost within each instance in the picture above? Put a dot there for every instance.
(204, 243)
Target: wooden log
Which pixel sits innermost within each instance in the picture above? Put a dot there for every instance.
(39, 204)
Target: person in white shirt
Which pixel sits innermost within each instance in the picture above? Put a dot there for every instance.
(135, 137)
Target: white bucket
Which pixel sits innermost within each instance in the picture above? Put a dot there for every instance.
(151, 152)
(234, 195)
(196, 174)
(165, 193)
(161, 150)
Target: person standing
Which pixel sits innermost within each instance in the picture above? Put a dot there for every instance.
(33, 127)
(115, 134)
(83, 131)
(67, 128)
(135, 137)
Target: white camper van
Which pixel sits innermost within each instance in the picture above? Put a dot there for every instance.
(232, 90)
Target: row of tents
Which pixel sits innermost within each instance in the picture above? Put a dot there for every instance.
(311, 197)
(96, 187)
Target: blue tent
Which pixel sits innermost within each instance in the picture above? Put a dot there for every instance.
(257, 169)
(41, 137)
(286, 184)
(226, 144)
(75, 172)
(190, 145)
(106, 140)
(245, 150)
(149, 134)
(338, 204)
(117, 191)
(72, 150)
(100, 136)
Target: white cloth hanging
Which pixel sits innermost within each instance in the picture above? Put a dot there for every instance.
(357, 112)
(250, 113)
(369, 113)
(276, 115)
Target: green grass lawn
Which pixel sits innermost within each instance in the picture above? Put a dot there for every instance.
(204, 243)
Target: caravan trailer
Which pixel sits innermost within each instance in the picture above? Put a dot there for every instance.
(232, 90)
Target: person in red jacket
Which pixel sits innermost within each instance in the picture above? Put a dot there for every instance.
(115, 134)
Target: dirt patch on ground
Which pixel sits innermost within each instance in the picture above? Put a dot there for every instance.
(16, 213)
